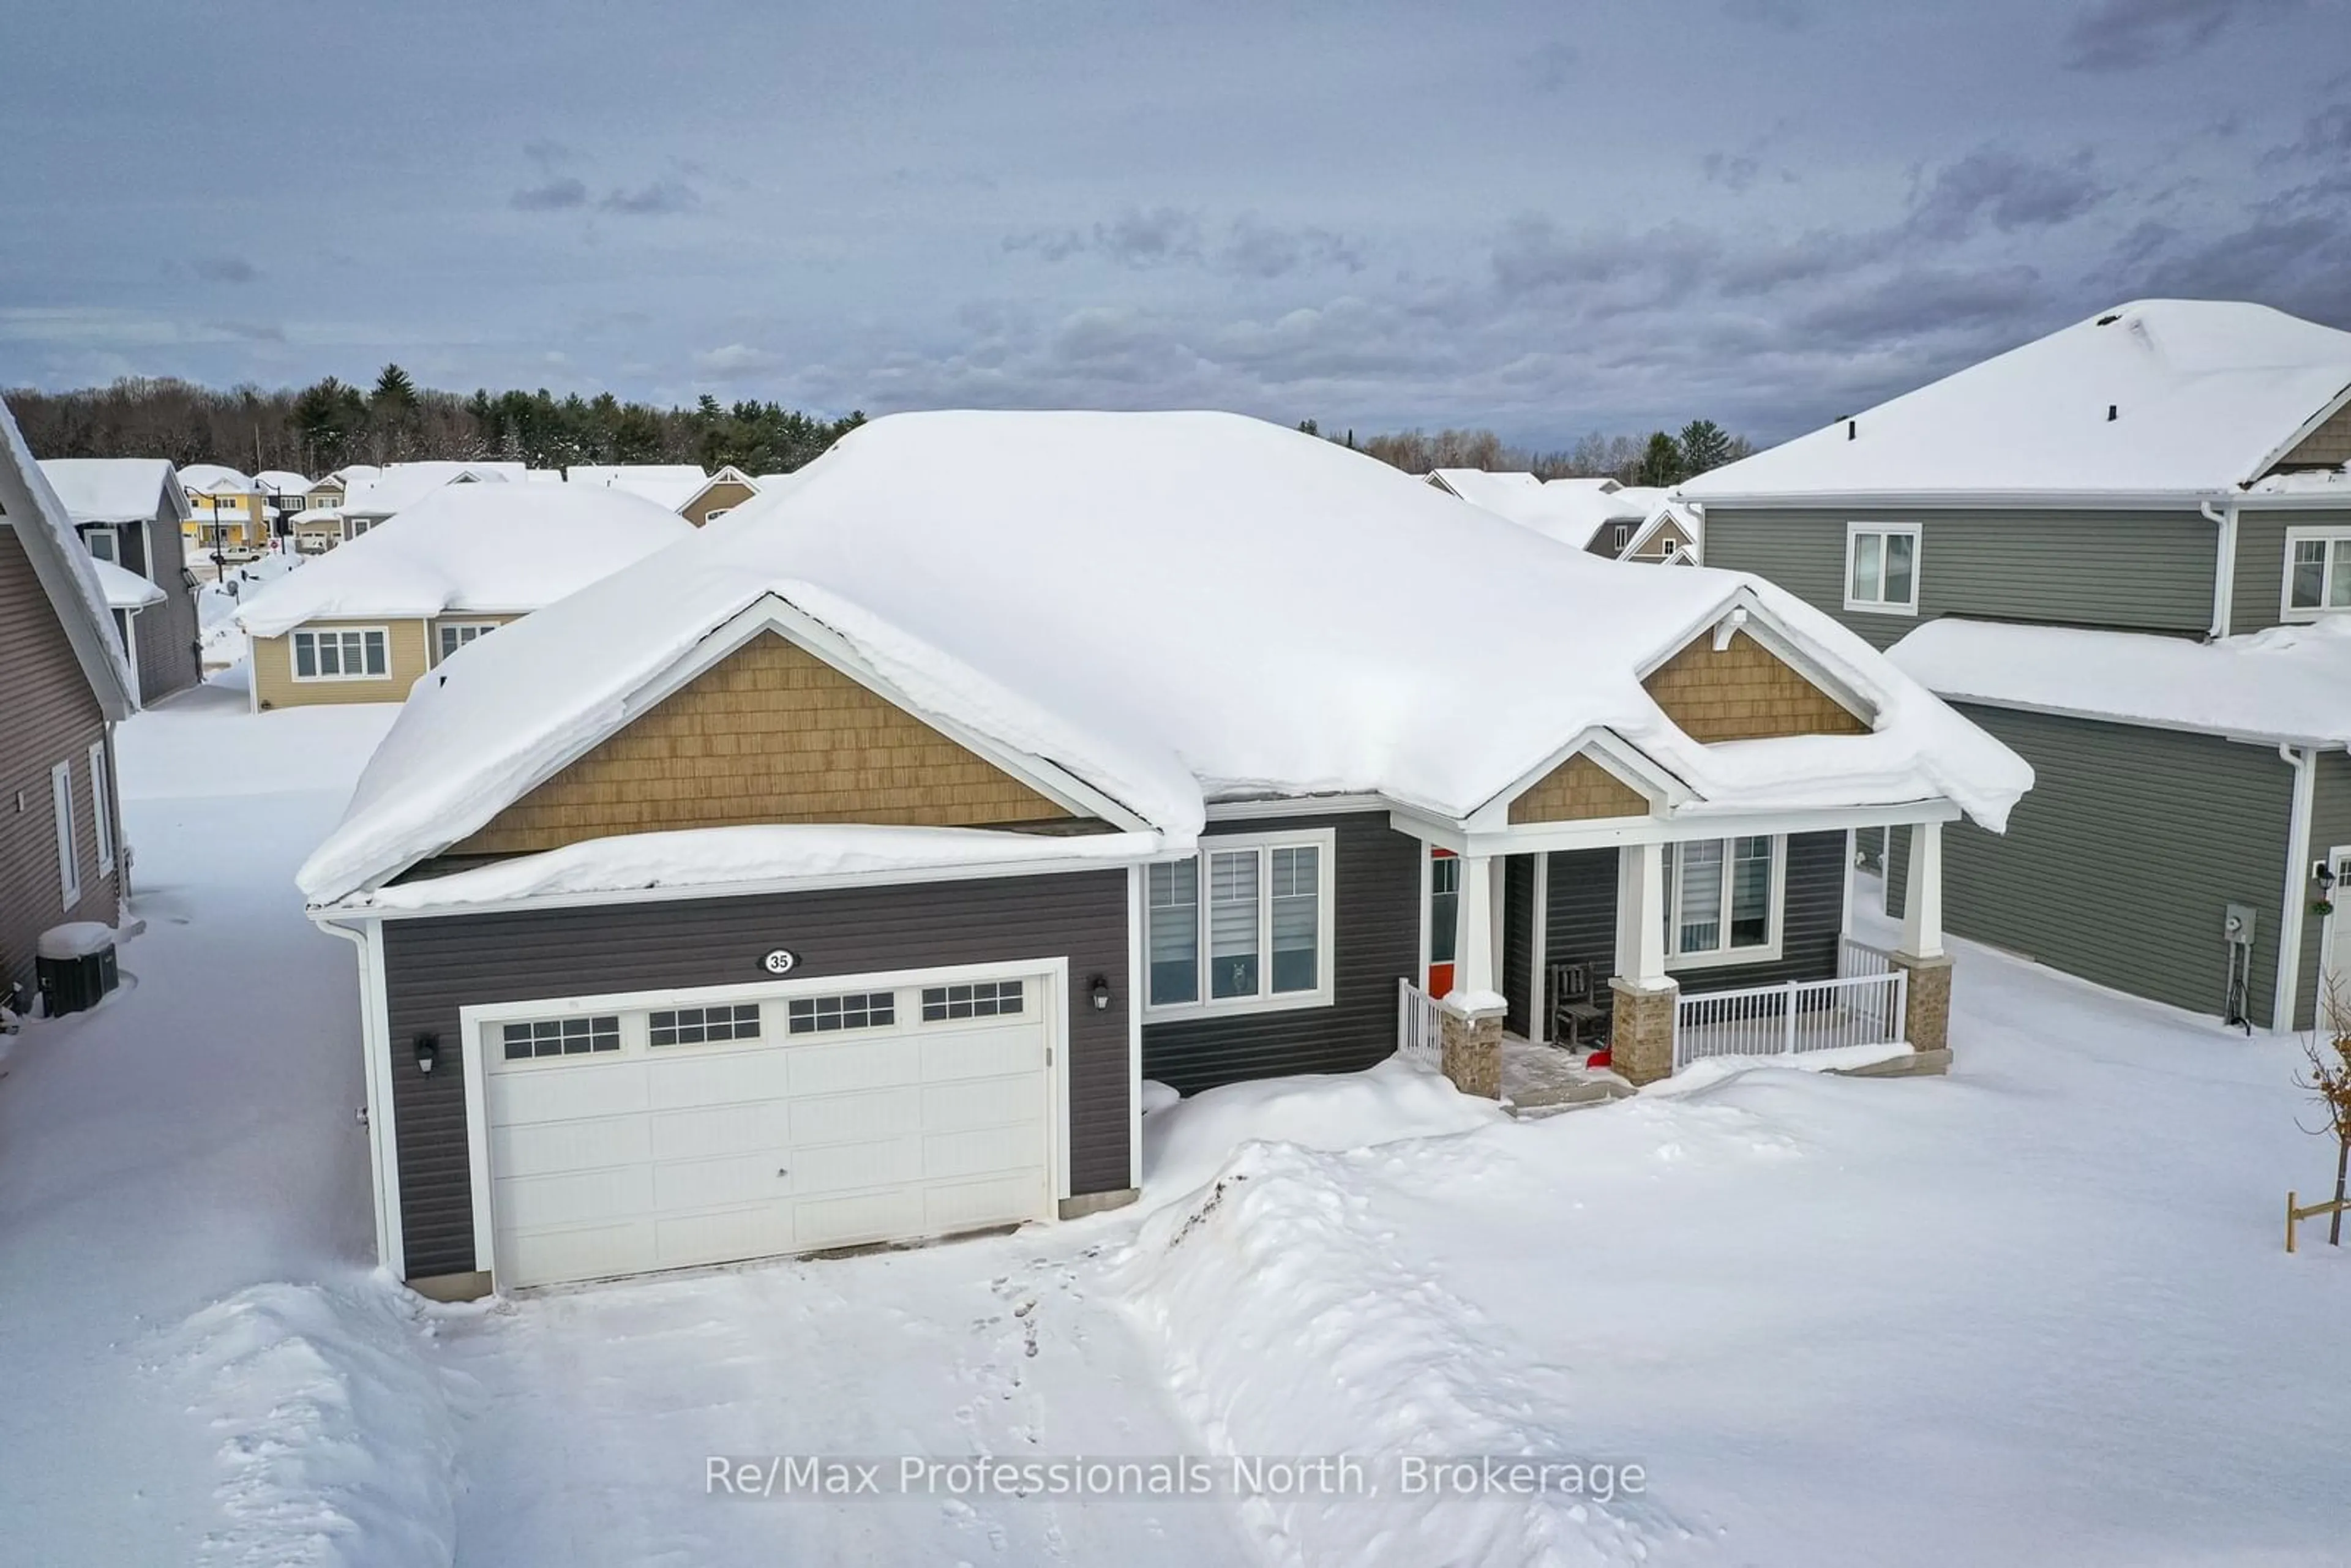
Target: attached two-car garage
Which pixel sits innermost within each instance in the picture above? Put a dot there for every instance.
(621, 1134)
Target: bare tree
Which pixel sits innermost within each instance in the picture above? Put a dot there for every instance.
(2327, 1077)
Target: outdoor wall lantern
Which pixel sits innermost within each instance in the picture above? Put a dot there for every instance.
(1102, 995)
(428, 1052)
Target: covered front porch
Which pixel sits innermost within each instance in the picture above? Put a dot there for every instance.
(1645, 955)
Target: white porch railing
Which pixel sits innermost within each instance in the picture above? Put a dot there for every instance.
(1420, 1031)
(1800, 1016)
(1855, 958)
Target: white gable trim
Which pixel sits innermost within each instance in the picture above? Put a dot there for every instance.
(66, 574)
(1613, 754)
(1744, 612)
(1681, 517)
(2302, 432)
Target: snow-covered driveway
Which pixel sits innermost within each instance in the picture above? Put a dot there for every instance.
(603, 1406)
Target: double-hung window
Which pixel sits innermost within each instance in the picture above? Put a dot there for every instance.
(358, 653)
(456, 634)
(1244, 925)
(1881, 568)
(2317, 573)
(1723, 900)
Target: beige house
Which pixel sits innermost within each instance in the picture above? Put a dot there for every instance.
(362, 624)
(720, 495)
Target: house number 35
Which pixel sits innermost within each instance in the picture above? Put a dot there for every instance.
(782, 961)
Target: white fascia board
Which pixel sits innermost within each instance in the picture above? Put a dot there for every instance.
(1433, 830)
(1535, 838)
(2134, 721)
(1952, 500)
(1258, 809)
(1615, 756)
(332, 913)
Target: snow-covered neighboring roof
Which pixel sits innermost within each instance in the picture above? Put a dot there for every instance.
(763, 852)
(1573, 511)
(116, 489)
(495, 547)
(125, 589)
(215, 480)
(671, 485)
(2286, 684)
(282, 482)
(351, 474)
(1172, 607)
(67, 570)
(318, 514)
(542, 475)
(2205, 394)
(1480, 488)
(404, 484)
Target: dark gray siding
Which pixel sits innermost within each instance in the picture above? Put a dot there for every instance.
(2258, 595)
(1518, 940)
(2146, 571)
(2119, 866)
(1584, 917)
(49, 714)
(1375, 935)
(433, 968)
(166, 632)
(2330, 829)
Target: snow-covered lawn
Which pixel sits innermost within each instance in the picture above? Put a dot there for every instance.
(2037, 1312)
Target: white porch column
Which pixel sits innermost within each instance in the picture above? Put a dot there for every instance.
(1641, 915)
(1475, 912)
(1922, 907)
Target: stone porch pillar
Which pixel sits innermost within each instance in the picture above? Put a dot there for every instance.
(1641, 1021)
(1926, 1015)
(1472, 1048)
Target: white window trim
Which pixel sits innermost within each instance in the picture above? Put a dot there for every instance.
(2338, 538)
(113, 538)
(716, 513)
(439, 627)
(102, 809)
(294, 659)
(1324, 841)
(1852, 531)
(1776, 910)
(69, 852)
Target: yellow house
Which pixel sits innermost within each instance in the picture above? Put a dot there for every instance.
(228, 511)
(364, 623)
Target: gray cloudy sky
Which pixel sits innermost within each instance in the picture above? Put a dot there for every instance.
(1546, 218)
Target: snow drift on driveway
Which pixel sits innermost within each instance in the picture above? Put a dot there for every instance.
(338, 1429)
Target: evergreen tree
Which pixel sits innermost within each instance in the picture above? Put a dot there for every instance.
(1704, 444)
(1661, 462)
(396, 394)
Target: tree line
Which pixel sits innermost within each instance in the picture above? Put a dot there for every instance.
(317, 429)
(1660, 459)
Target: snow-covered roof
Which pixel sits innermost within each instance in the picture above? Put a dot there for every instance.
(1573, 511)
(499, 548)
(125, 589)
(1482, 487)
(1172, 608)
(404, 485)
(65, 569)
(215, 480)
(116, 489)
(671, 485)
(2204, 396)
(351, 474)
(318, 514)
(2287, 684)
(282, 482)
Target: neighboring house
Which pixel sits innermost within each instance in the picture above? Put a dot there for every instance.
(63, 683)
(286, 493)
(363, 624)
(228, 513)
(367, 503)
(2167, 470)
(1601, 517)
(672, 485)
(717, 495)
(317, 530)
(328, 495)
(838, 875)
(129, 512)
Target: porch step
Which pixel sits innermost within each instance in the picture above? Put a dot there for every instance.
(1532, 1103)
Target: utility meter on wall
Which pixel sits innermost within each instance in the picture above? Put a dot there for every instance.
(2237, 924)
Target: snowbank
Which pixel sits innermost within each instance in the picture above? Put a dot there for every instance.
(1293, 1326)
(338, 1433)
(1185, 1145)
(2286, 684)
(764, 853)
(1710, 1070)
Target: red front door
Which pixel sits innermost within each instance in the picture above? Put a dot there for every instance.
(1442, 918)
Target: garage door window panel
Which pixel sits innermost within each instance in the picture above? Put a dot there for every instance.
(699, 1026)
(980, 999)
(830, 1014)
(537, 1037)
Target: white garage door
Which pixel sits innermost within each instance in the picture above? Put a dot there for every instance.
(721, 1127)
